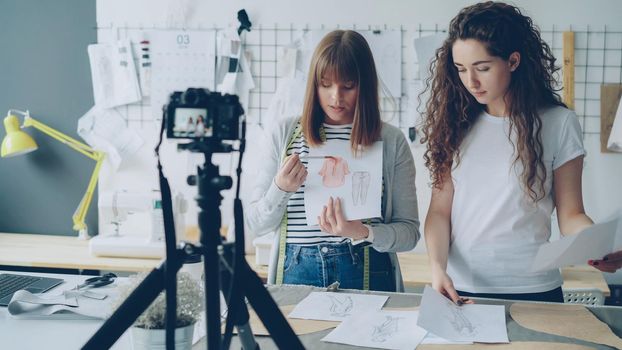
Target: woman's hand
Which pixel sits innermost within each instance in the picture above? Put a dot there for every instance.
(609, 263)
(332, 221)
(443, 284)
(291, 175)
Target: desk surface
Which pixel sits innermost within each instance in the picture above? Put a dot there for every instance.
(69, 252)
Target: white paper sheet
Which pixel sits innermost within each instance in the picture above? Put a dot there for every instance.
(614, 143)
(469, 322)
(432, 338)
(105, 129)
(593, 242)
(115, 82)
(356, 181)
(379, 329)
(426, 47)
(179, 60)
(328, 306)
(386, 47)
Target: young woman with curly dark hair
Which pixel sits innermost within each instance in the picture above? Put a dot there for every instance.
(503, 152)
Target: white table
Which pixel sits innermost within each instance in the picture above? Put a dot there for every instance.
(51, 334)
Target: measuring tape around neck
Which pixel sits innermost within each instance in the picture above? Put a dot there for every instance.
(280, 265)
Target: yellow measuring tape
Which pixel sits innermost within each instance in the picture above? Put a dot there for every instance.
(280, 265)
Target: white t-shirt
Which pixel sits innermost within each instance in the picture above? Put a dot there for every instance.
(496, 227)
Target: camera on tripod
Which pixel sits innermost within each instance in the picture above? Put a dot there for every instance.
(200, 114)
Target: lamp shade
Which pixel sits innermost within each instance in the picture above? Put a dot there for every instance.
(16, 142)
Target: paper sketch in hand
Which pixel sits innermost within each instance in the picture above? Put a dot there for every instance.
(594, 242)
(328, 306)
(335, 172)
(115, 81)
(477, 323)
(385, 329)
(360, 186)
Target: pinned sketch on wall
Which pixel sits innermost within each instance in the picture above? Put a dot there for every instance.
(382, 329)
(472, 322)
(386, 47)
(614, 143)
(425, 48)
(294, 59)
(179, 60)
(106, 130)
(328, 306)
(115, 81)
(333, 171)
(145, 68)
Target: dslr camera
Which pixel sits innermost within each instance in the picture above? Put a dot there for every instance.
(202, 114)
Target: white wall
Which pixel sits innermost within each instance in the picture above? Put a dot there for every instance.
(602, 176)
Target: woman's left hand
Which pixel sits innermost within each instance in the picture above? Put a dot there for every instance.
(332, 221)
(609, 263)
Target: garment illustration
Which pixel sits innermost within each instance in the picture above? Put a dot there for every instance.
(334, 171)
(386, 329)
(360, 185)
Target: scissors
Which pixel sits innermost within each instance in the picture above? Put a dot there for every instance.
(98, 281)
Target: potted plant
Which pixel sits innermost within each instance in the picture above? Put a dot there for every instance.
(148, 330)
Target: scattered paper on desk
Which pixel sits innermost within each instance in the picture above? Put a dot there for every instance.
(469, 322)
(432, 338)
(115, 81)
(106, 130)
(594, 242)
(379, 329)
(27, 305)
(329, 306)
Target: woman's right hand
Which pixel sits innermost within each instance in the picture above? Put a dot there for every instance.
(291, 175)
(443, 284)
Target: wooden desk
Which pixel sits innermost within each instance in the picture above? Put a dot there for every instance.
(69, 252)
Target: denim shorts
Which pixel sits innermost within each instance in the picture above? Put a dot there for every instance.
(322, 264)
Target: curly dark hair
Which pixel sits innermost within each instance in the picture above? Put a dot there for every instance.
(451, 110)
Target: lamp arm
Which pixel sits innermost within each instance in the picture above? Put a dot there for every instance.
(80, 214)
(66, 139)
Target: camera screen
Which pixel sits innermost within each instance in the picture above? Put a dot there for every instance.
(192, 122)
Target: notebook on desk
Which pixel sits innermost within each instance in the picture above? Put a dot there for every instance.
(11, 283)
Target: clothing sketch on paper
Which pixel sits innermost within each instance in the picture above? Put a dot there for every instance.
(462, 324)
(341, 306)
(334, 171)
(386, 329)
(360, 186)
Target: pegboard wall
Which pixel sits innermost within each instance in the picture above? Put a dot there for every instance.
(598, 60)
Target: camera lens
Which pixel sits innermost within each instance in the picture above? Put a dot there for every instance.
(192, 97)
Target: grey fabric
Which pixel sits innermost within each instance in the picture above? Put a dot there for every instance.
(400, 231)
(286, 294)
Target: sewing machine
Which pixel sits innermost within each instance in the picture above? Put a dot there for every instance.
(131, 224)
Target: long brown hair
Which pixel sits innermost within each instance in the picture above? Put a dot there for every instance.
(345, 56)
(451, 110)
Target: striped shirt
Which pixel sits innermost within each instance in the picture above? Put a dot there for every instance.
(297, 230)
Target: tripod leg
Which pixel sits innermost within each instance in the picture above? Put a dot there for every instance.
(145, 293)
(268, 311)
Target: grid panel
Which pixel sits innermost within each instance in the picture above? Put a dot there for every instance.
(598, 60)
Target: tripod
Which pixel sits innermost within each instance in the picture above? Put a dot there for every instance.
(239, 282)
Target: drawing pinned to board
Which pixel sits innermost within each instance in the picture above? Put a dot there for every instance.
(335, 172)
(115, 82)
(328, 306)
